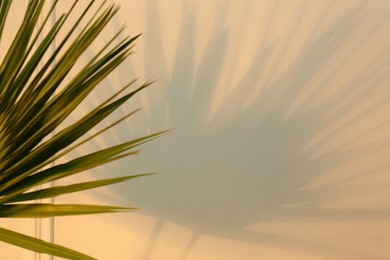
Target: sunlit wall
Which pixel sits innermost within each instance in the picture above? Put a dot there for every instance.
(280, 140)
(279, 147)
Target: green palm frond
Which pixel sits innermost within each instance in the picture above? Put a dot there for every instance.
(37, 93)
(40, 246)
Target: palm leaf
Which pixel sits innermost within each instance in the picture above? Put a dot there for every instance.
(61, 190)
(40, 246)
(51, 210)
(37, 94)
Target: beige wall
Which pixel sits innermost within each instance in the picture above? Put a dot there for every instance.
(280, 141)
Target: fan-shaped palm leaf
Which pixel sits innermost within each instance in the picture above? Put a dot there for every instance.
(35, 100)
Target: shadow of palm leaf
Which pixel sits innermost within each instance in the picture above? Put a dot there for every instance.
(252, 162)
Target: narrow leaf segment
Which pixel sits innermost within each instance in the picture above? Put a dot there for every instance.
(40, 89)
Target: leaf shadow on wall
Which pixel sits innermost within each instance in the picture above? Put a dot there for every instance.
(251, 163)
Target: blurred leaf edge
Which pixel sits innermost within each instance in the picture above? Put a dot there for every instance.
(36, 96)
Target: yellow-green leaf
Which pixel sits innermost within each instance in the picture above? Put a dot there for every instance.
(40, 246)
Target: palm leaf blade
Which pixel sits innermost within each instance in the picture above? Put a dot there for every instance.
(40, 246)
(55, 210)
(72, 167)
(37, 95)
(61, 190)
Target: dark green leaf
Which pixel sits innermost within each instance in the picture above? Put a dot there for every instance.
(61, 190)
(53, 210)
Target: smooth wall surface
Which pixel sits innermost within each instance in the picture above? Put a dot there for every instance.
(279, 148)
(280, 140)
